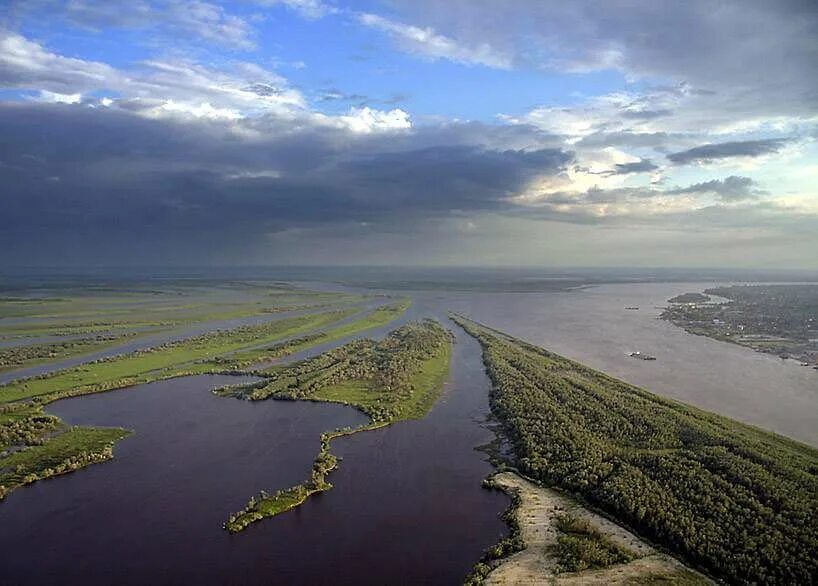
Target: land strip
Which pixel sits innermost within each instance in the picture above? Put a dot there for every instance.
(553, 554)
(728, 498)
(395, 379)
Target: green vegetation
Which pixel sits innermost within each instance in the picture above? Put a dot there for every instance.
(21, 356)
(379, 378)
(164, 361)
(74, 449)
(103, 310)
(36, 445)
(507, 546)
(732, 499)
(397, 378)
(581, 546)
(22, 424)
(381, 316)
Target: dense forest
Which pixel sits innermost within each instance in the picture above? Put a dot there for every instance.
(729, 498)
(385, 368)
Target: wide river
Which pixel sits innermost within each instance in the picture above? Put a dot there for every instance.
(407, 506)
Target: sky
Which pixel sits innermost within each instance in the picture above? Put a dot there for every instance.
(512, 133)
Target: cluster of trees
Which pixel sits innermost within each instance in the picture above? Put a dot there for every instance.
(77, 448)
(731, 499)
(267, 505)
(581, 546)
(19, 355)
(27, 429)
(388, 365)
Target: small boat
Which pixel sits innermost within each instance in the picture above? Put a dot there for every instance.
(642, 356)
(633, 308)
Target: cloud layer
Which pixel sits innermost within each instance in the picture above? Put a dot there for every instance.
(206, 151)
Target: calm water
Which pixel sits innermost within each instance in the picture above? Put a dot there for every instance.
(407, 508)
(592, 326)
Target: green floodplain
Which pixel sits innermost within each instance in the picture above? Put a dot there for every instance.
(35, 445)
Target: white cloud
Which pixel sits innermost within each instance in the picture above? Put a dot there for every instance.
(427, 43)
(26, 64)
(155, 87)
(55, 98)
(177, 88)
(310, 9)
(367, 120)
(201, 110)
(210, 22)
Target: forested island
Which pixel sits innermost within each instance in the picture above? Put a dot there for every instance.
(730, 499)
(690, 298)
(397, 378)
(776, 319)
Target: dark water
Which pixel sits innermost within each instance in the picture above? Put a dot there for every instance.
(407, 507)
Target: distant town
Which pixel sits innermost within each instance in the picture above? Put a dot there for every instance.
(776, 319)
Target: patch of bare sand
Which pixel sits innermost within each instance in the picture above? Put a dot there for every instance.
(536, 563)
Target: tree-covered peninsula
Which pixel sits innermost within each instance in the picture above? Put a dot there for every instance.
(731, 499)
(399, 377)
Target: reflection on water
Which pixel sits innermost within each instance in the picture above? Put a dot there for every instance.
(408, 504)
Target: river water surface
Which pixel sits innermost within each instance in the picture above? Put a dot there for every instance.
(407, 507)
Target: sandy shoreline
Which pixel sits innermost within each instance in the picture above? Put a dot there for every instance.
(536, 564)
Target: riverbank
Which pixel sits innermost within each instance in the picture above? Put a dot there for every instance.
(710, 489)
(537, 516)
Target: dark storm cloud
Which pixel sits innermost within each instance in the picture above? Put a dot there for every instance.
(642, 166)
(732, 188)
(725, 150)
(140, 182)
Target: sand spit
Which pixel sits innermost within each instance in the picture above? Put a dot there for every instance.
(536, 563)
